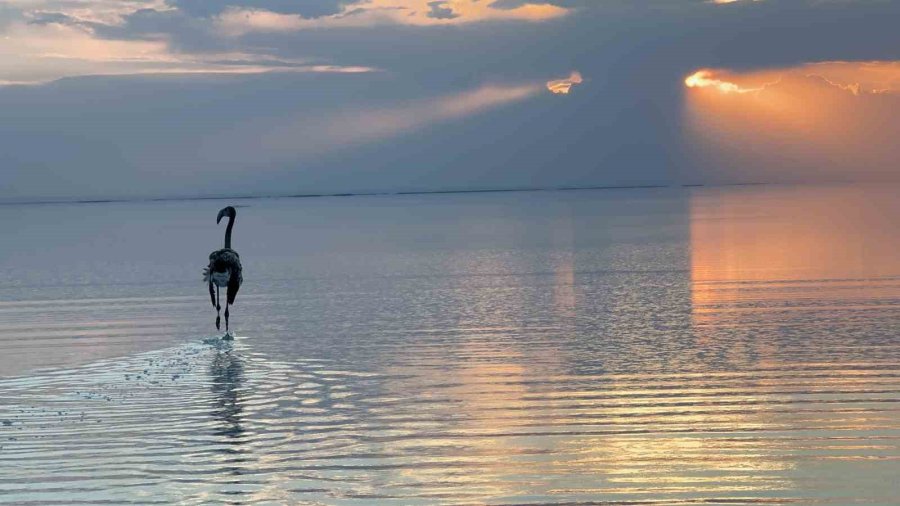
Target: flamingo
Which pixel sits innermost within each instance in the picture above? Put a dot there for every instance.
(224, 270)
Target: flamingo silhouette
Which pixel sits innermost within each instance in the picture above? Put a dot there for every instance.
(224, 270)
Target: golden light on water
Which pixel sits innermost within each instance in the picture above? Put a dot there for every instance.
(791, 248)
(783, 234)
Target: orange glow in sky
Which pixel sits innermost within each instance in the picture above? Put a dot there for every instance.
(817, 121)
(856, 77)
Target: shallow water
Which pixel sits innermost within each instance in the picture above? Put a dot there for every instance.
(679, 346)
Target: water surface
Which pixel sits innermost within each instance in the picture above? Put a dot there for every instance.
(658, 346)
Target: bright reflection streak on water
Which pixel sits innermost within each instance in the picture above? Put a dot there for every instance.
(730, 345)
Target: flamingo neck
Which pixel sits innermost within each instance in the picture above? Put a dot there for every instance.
(228, 232)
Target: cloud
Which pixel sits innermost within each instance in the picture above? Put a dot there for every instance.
(109, 12)
(313, 136)
(827, 120)
(236, 21)
(305, 8)
(42, 52)
(562, 86)
(240, 20)
(47, 40)
(858, 77)
(440, 10)
(627, 128)
(707, 78)
(36, 53)
(365, 126)
(853, 77)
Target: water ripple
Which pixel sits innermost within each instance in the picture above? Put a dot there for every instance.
(221, 422)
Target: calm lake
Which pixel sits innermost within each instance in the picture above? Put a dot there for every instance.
(721, 345)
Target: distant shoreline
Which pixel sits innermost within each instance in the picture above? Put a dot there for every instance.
(369, 194)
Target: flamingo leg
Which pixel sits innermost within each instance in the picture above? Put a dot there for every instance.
(226, 317)
(218, 307)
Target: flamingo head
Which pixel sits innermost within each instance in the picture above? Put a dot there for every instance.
(228, 211)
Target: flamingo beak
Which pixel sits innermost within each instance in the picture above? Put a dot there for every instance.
(220, 216)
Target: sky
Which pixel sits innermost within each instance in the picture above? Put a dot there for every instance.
(175, 98)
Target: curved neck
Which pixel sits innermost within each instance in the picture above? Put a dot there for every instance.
(228, 232)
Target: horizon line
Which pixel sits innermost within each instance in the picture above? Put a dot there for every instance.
(396, 193)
